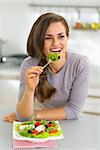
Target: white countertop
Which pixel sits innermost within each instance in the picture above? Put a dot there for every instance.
(81, 134)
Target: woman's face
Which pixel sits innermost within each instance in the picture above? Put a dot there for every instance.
(56, 39)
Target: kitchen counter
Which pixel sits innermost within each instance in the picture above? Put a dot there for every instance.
(81, 134)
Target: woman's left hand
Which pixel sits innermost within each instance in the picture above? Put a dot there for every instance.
(10, 118)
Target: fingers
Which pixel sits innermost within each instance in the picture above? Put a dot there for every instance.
(32, 77)
(33, 72)
(10, 118)
(36, 70)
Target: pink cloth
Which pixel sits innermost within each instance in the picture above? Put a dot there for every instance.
(20, 144)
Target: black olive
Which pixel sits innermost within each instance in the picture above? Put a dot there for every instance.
(49, 122)
(46, 126)
(35, 125)
(58, 57)
(29, 131)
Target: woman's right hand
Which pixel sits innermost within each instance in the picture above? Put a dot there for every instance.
(32, 77)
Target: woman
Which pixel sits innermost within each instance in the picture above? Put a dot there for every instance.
(58, 91)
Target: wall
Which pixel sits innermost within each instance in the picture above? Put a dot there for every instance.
(15, 23)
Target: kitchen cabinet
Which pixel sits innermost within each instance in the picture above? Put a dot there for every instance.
(9, 85)
(9, 79)
(9, 92)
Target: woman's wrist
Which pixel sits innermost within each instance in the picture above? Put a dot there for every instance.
(37, 115)
(29, 92)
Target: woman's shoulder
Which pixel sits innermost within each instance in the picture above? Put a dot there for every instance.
(29, 61)
(75, 58)
(78, 63)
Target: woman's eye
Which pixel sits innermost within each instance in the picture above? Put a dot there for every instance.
(61, 37)
(47, 38)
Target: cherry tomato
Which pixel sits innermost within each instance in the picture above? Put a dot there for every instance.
(53, 132)
(50, 125)
(38, 123)
(35, 132)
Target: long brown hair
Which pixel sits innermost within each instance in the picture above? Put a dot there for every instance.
(35, 45)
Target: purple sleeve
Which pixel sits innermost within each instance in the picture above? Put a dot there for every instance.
(23, 68)
(27, 63)
(79, 89)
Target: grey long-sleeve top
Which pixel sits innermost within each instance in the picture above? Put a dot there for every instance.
(71, 83)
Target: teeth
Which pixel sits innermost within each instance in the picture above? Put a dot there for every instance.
(56, 50)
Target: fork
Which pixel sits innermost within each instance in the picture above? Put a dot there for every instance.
(47, 64)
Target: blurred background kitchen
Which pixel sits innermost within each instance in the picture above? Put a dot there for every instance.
(16, 19)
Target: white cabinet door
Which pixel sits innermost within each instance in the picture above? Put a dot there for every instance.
(9, 92)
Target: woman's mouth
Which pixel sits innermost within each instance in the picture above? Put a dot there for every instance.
(56, 50)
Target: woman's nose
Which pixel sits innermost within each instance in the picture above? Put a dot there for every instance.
(55, 41)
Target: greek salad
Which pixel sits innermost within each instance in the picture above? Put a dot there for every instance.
(42, 129)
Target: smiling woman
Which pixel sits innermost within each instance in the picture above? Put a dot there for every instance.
(59, 90)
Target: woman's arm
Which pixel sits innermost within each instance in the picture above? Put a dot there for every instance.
(29, 81)
(25, 105)
(50, 114)
(79, 89)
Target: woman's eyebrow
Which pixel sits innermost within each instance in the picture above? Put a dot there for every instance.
(60, 33)
(57, 34)
(48, 35)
